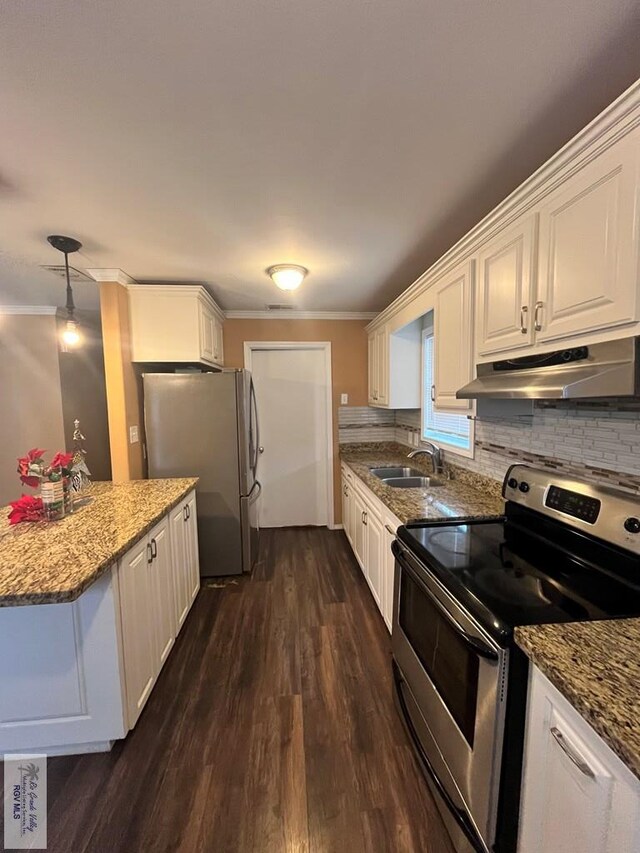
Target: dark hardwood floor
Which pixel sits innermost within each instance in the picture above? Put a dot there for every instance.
(271, 729)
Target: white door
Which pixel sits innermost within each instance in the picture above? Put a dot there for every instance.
(359, 541)
(292, 392)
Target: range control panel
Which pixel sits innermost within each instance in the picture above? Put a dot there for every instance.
(573, 503)
(607, 513)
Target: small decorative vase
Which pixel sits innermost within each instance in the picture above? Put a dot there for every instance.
(52, 494)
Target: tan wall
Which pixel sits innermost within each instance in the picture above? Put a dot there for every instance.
(31, 400)
(348, 361)
(124, 384)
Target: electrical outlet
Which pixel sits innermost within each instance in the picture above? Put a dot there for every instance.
(133, 435)
(344, 399)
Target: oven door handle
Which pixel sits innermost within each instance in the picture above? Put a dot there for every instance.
(458, 814)
(477, 645)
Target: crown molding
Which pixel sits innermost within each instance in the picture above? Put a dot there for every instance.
(113, 274)
(284, 314)
(49, 310)
(614, 122)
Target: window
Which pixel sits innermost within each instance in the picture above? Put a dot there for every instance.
(449, 430)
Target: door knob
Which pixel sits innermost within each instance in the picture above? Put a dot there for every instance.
(261, 449)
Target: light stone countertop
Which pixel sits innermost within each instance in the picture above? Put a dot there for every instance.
(468, 495)
(45, 563)
(596, 666)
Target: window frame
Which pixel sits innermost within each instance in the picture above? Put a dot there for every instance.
(469, 452)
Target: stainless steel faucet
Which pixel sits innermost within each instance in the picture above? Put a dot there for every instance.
(434, 452)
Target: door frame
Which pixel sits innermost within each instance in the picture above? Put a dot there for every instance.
(325, 346)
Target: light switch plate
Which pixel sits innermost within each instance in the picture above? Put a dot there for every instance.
(133, 435)
(344, 399)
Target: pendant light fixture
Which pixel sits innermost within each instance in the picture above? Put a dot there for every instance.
(287, 276)
(68, 245)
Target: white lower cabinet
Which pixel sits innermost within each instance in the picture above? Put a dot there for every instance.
(578, 796)
(81, 672)
(370, 528)
(159, 578)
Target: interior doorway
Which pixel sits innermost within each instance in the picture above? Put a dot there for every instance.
(293, 391)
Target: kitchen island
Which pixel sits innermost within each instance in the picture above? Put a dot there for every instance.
(90, 607)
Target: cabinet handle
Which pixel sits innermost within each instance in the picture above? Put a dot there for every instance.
(582, 765)
(149, 553)
(537, 325)
(364, 518)
(390, 529)
(154, 549)
(523, 321)
(433, 393)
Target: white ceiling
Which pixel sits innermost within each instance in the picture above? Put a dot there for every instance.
(203, 141)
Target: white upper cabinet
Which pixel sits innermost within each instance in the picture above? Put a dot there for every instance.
(558, 261)
(179, 324)
(588, 261)
(505, 295)
(453, 335)
(394, 367)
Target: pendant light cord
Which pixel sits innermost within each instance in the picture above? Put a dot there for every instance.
(70, 306)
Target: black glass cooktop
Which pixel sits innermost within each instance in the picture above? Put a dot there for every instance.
(508, 573)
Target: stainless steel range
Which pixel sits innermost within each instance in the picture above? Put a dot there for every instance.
(564, 551)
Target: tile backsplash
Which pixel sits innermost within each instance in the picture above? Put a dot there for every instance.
(590, 440)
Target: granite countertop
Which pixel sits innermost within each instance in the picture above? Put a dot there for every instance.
(46, 563)
(596, 666)
(467, 495)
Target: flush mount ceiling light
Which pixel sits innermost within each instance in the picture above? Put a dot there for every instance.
(287, 276)
(68, 245)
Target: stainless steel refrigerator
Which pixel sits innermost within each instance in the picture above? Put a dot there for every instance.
(206, 425)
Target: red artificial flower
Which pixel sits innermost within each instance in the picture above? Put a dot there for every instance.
(25, 463)
(61, 460)
(27, 508)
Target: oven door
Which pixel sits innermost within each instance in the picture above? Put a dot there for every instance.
(450, 684)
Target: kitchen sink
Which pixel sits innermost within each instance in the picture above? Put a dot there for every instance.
(411, 482)
(384, 473)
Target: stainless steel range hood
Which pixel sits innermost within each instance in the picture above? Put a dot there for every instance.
(602, 370)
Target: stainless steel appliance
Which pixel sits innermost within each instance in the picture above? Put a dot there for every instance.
(206, 425)
(564, 551)
(610, 369)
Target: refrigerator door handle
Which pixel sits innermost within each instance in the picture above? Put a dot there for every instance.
(257, 485)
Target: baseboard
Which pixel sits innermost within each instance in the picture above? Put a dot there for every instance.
(67, 749)
(335, 526)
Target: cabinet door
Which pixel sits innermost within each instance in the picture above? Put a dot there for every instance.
(163, 591)
(191, 539)
(136, 608)
(218, 342)
(182, 598)
(589, 239)
(373, 551)
(359, 541)
(382, 367)
(391, 524)
(453, 366)
(372, 369)
(207, 334)
(577, 795)
(346, 507)
(504, 303)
